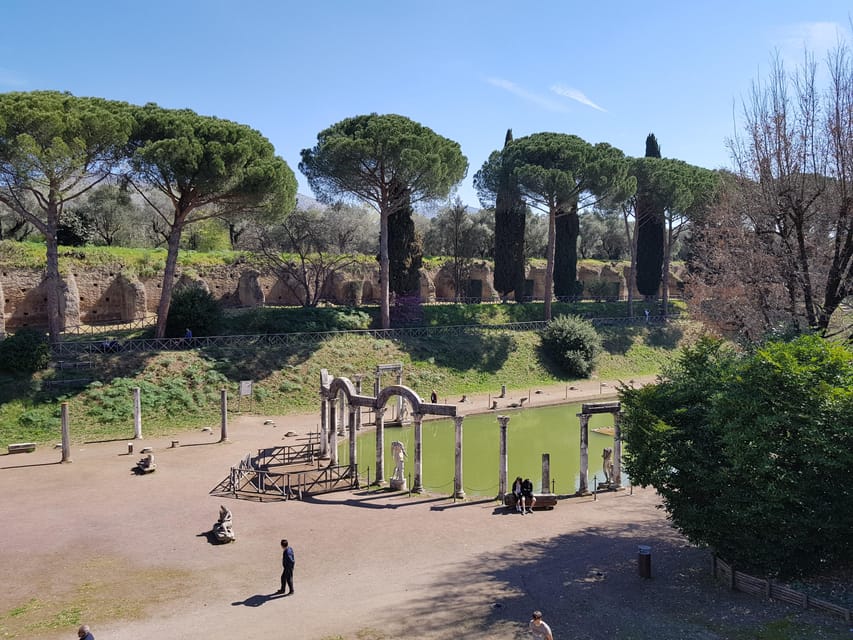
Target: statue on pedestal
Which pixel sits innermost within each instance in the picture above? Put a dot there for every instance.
(607, 464)
(398, 479)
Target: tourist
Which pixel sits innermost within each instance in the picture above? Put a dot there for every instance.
(288, 562)
(84, 633)
(527, 496)
(433, 397)
(519, 497)
(539, 628)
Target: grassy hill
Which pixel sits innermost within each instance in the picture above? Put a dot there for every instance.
(180, 390)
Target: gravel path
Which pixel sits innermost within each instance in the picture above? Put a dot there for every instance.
(129, 552)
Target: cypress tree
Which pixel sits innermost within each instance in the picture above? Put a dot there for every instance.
(650, 232)
(567, 227)
(510, 214)
(405, 251)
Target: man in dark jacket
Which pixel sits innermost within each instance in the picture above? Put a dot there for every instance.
(288, 562)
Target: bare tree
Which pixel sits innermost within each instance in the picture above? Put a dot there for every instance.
(299, 252)
(790, 201)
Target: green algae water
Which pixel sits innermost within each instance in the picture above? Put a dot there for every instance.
(531, 432)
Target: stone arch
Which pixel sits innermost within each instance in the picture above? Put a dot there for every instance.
(404, 392)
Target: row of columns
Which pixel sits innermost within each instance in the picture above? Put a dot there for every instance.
(329, 431)
(329, 445)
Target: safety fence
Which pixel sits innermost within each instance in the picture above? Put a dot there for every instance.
(768, 588)
(246, 481)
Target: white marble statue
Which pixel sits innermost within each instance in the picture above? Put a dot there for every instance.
(607, 464)
(398, 451)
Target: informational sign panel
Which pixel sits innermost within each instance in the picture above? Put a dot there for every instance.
(245, 387)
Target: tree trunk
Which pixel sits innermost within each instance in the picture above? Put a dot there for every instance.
(632, 270)
(549, 265)
(384, 270)
(51, 273)
(168, 279)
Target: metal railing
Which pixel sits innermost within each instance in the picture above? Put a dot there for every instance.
(149, 345)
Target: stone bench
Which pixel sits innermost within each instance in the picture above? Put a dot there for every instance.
(22, 447)
(543, 500)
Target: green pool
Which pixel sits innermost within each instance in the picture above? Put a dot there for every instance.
(531, 432)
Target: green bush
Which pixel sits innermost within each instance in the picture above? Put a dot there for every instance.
(196, 309)
(26, 351)
(573, 344)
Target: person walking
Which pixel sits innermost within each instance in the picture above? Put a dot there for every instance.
(288, 562)
(84, 633)
(538, 628)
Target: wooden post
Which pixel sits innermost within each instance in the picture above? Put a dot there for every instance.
(458, 490)
(223, 410)
(66, 436)
(503, 467)
(137, 414)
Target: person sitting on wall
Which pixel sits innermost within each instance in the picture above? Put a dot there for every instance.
(527, 495)
(519, 497)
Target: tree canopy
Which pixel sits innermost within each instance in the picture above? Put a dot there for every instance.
(752, 447)
(205, 167)
(54, 147)
(558, 174)
(369, 157)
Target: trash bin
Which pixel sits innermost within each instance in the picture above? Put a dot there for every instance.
(644, 561)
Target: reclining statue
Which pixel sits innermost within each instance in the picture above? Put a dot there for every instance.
(146, 464)
(223, 530)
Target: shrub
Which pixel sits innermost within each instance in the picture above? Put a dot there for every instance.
(573, 344)
(26, 351)
(196, 309)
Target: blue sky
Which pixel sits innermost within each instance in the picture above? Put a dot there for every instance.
(606, 71)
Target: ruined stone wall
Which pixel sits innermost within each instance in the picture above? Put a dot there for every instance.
(110, 294)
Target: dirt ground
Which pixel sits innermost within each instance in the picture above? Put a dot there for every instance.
(128, 555)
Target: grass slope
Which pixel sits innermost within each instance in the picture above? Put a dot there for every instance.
(180, 390)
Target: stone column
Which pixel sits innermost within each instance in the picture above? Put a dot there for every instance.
(339, 406)
(358, 378)
(380, 446)
(333, 432)
(419, 461)
(583, 484)
(66, 435)
(503, 466)
(324, 428)
(617, 449)
(137, 414)
(546, 473)
(458, 490)
(353, 442)
(223, 409)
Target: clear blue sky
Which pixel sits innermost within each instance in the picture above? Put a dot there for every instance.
(607, 71)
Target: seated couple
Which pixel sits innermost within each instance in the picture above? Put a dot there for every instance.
(524, 498)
